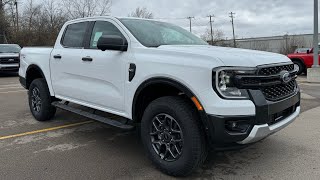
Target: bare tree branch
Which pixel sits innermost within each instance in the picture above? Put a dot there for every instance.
(142, 13)
(218, 35)
(86, 8)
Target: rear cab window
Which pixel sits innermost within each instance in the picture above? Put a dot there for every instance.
(74, 35)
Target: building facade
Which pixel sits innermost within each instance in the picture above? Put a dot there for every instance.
(279, 44)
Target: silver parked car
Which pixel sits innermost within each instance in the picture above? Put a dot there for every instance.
(9, 57)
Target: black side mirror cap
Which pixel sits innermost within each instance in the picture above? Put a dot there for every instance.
(112, 42)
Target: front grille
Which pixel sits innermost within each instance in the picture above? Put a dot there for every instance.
(267, 71)
(280, 91)
(9, 60)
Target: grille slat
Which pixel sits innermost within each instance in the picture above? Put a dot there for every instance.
(9, 60)
(267, 71)
(280, 91)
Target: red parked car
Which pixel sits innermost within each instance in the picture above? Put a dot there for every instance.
(302, 60)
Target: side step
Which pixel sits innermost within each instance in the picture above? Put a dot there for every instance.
(105, 120)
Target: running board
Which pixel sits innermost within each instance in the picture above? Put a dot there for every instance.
(105, 120)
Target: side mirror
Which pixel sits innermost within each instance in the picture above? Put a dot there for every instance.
(308, 51)
(112, 42)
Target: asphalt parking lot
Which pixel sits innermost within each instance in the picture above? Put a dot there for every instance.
(73, 147)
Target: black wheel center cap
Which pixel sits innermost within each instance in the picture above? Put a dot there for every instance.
(166, 137)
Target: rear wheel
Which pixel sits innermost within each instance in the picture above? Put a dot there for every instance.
(299, 66)
(172, 136)
(40, 100)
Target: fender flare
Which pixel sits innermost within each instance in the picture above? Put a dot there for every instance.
(33, 66)
(168, 81)
(159, 80)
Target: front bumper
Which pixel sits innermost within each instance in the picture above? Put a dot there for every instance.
(260, 132)
(270, 117)
(9, 67)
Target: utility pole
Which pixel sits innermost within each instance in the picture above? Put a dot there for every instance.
(2, 20)
(234, 36)
(190, 19)
(286, 37)
(313, 74)
(315, 36)
(5, 38)
(211, 21)
(17, 14)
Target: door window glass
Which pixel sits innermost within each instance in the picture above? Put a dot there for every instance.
(103, 28)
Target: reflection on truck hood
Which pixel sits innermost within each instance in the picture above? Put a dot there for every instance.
(230, 56)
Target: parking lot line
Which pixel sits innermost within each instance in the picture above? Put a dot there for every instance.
(11, 84)
(45, 130)
(11, 87)
(13, 91)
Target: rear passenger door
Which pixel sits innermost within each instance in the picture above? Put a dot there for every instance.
(65, 63)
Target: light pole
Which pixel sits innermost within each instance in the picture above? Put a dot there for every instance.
(315, 36)
(314, 72)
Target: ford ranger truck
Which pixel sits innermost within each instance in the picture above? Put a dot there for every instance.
(186, 96)
(9, 57)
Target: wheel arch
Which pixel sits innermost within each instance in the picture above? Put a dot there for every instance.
(167, 84)
(33, 72)
(299, 60)
(164, 81)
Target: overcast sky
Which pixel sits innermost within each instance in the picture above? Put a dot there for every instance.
(254, 18)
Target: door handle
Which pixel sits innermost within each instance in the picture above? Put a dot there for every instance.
(88, 59)
(58, 56)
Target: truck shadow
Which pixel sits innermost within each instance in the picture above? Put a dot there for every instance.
(127, 146)
(9, 74)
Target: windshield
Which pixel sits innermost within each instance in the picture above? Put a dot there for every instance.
(154, 33)
(10, 48)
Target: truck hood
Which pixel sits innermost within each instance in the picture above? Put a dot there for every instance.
(230, 56)
(8, 55)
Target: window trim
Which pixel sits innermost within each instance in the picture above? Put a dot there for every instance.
(90, 31)
(85, 34)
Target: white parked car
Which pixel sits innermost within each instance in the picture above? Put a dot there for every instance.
(187, 96)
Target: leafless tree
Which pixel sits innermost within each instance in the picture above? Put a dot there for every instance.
(3, 20)
(55, 17)
(86, 8)
(218, 35)
(142, 12)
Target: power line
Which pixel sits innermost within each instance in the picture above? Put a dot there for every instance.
(190, 19)
(211, 21)
(234, 36)
(168, 18)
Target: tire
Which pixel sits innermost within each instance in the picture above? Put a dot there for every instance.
(300, 65)
(40, 101)
(193, 148)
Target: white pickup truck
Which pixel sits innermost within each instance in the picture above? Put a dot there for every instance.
(185, 95)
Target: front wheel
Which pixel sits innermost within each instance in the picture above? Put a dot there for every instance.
(172, 136)
(299, 67)
(40, 100)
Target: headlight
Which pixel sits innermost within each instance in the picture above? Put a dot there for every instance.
(224, 82)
